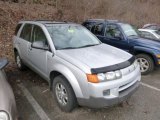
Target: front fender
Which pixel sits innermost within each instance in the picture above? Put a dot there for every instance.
(143, 49)
(147, 50)
(67, 73)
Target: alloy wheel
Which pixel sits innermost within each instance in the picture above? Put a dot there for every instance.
(61, 94)
(144, 64)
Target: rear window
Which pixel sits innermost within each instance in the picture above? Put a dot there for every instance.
(17, 28)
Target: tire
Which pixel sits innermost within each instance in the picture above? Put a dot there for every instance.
(19, 62)
(144, 61)
(66, 105)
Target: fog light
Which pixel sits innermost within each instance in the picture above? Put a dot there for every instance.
(106, 92)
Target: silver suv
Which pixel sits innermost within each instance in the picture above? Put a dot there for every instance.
(79, 68)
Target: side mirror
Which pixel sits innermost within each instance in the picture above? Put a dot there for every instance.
(39, 45)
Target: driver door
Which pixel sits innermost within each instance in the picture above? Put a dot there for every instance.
(114, 36)
(38, 57)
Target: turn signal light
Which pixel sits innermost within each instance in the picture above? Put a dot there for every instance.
(92, 78)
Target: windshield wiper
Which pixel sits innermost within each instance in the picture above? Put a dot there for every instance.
(78, 47)
(67, 48)
(88, 45)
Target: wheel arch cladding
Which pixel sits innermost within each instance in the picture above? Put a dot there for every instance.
(69, 76)
(147, 52)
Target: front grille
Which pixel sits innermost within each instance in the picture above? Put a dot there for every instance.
(123, 86)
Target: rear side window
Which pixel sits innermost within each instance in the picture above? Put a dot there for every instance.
(97, 29)
(26, 32)
(88, 25)
(17, 28)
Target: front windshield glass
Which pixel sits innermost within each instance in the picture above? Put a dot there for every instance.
(129, 30)
(66, 36)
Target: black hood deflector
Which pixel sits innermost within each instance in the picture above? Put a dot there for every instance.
(113, 67)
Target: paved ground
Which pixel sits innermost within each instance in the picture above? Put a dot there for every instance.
(29, 87)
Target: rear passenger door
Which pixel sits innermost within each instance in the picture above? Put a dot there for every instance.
(38, 57)
(25, 41)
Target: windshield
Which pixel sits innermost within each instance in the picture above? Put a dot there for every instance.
(71, 36)
(129, 30)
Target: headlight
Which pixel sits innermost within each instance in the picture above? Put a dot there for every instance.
(4, 116)
(101, 77)
(113, 75)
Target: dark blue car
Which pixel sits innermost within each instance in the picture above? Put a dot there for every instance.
(126, 37)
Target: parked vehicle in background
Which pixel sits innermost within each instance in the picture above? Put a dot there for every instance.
(152, 26)
(126, 37)
(79, 68)
(7, 100)
(150, 34)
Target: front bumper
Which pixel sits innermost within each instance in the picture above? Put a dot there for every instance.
(112, 92)
(93, 102)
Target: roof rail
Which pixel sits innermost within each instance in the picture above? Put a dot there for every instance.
(102, 20)
(111, 20)
(43, 20)
(52, 21)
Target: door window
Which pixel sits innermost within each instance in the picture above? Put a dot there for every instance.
(112, 31)
(38, 35)
(26, 32)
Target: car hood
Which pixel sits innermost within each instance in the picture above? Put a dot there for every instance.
(146, 42)
(94, 57)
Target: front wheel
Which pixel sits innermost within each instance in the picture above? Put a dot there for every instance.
(64, 94)
(146, 63)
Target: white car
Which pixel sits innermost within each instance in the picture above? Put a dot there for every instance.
(150, 34)
(79, 68)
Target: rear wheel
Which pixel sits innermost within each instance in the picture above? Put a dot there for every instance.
(64, 94)
(146, 63)
(19, 62)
